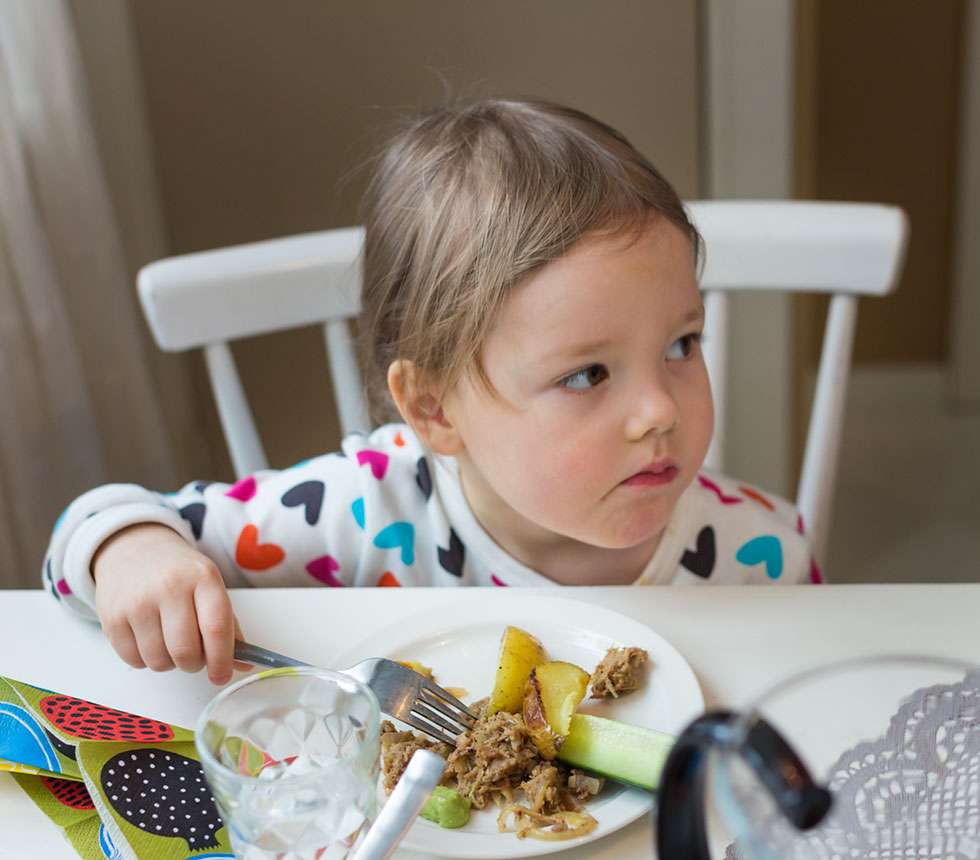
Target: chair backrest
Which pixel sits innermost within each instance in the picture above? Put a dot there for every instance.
(845, 249)
(210, 298)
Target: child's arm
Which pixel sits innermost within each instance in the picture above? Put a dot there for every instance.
(153, 568)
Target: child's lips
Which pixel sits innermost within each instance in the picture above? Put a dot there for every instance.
(657, 474)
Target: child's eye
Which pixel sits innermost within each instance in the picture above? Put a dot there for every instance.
(586, 378)
(683, 347)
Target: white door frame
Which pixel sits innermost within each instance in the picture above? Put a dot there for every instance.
(748, 56)
(964, 311)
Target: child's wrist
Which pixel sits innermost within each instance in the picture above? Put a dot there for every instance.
(134, 532)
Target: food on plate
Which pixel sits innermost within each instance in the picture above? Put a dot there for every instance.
(520, 652)
(621, 751)
(567, 824)
(492, 764)
(619, 672)
(529, 753)
(446, 807)
(551, 695)
(426, 672)
(397, 749)
(415, 666)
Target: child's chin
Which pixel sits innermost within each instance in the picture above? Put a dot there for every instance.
(632, 535)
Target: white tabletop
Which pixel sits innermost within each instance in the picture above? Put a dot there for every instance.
(738, 640)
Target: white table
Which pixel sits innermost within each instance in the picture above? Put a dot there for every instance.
(739, 641)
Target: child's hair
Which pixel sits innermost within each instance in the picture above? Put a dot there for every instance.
(464, 203)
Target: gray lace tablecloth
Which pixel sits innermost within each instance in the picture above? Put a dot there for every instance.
(913, 794)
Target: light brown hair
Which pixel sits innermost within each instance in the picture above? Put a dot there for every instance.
(465, 203)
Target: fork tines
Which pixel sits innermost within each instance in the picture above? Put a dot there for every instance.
(439, 714)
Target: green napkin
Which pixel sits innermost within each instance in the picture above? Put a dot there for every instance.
(119, 785)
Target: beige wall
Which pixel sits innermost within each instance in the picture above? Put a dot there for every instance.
(884, 124)
(259, 109)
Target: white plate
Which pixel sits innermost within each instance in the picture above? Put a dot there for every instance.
(460, 644)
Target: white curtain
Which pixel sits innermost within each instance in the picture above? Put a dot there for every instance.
(80, 388)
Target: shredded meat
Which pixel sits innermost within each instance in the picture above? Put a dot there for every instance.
(544, 789)
(582, 786)
(491, 763)
(618, 673)
(397, 749)
(492, 759)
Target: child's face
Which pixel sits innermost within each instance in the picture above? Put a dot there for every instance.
(600, 384)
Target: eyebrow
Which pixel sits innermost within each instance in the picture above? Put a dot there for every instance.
(694, 316)
(588, 348)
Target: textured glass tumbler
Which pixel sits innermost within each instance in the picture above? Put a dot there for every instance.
(292, 758)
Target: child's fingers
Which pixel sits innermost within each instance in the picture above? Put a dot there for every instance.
(120, 636)
(149, 640)
(217, 625)
(181, 635)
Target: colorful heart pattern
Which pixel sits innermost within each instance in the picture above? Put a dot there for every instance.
(242, 490)
(816, 577)
(377, 460)
(357, 509)
(401, 536)
(701, 561)
(765, 549)
(756, 496)
(252, 555)
(708, 484)
(323, 570)
(309, 496)
(423, 478)
(451, 559)
(194, 514)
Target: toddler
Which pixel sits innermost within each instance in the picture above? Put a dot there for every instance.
(531, 310)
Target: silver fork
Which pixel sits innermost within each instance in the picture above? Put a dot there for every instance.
(402, 692)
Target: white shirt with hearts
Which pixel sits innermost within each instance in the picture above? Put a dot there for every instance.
(384, 512)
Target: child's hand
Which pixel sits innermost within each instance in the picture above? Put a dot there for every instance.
(163, 604)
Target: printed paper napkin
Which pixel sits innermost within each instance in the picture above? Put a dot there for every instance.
(121, 786)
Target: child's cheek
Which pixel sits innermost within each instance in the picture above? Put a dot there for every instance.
(575, 466)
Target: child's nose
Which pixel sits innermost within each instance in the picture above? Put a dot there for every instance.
(652, 411)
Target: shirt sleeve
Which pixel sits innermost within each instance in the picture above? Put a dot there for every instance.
(297, 526)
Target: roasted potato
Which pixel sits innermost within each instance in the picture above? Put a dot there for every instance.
(551, 695)
(520, 652)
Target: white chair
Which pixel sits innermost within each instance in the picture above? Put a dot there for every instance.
(206, 299)
(845, 249)
(212, 297)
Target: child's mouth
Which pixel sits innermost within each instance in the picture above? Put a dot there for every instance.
(655, 475)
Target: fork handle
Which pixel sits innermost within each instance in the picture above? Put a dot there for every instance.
(249, 653)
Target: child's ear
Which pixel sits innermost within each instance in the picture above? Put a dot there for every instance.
(421, 410)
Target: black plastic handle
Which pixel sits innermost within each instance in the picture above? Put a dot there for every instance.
(681, 832)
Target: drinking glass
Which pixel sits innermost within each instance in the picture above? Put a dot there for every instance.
(868, 758)
(292, 758)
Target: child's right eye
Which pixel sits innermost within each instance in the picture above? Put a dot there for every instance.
(586, 378)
